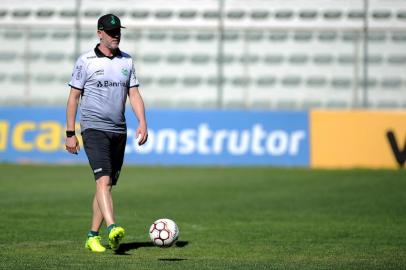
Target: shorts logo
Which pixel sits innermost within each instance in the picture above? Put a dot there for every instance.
(98, 170)
(99, 84)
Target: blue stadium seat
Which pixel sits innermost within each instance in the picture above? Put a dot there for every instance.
(327, 36)
(167, 81)
(284, 14)
(192, 81)
(337, 104)
(266, 81)
(187, 14)
(303, 36)
(18, 78)
(298, 59)
(45, 78)
(163, 14)
(67, 13)
(121, 13)
(151, 58)
(140, 14)
(387, 104)
(356, 15)
(92, 13)
(211, 14)
(401, 15)
(157, 36)
(332, 14)
(341, 83)
(316, 82)
(398, 59)
(381, 14)
(176, 58)
(200, 59)
(291, 81)
(259, 14)
(308, 14)
(38, 34)
(287, 104)
(180, 36)
(8, 56)
(392, 83)
(45, 13)
(21, 13)
(309, 104)
(274, 59)
(3, 77)
(231, 36)
(236, 14)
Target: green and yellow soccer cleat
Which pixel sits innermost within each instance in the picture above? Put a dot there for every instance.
(93, 244)
(115, 236)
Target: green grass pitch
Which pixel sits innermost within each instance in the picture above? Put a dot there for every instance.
(229, 218)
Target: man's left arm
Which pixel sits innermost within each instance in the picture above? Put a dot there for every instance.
(138, 107)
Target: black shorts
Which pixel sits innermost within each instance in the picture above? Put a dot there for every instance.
(105, 151)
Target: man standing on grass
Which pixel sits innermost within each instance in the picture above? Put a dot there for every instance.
(102, 78)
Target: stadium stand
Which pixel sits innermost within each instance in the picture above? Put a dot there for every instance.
(277, 54)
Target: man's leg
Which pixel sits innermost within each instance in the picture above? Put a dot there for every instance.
(97, 218)
(104, 202)
(93, 241)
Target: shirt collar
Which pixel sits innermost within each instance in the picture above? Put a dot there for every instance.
(116, 53)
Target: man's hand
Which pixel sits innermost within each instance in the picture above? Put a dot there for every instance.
(72, 145)
(141, 134)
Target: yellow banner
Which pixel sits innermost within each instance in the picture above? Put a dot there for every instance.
(366, 139)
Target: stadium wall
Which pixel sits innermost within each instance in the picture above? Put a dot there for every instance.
(187, 137)
(319, 139)
(346, 139)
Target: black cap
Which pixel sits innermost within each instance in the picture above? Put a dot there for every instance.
(108, 22)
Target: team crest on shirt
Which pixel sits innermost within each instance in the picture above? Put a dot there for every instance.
(124, 72)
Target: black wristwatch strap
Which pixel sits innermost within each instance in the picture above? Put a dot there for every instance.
(70, 133)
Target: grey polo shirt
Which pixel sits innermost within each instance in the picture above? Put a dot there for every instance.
(104, 82)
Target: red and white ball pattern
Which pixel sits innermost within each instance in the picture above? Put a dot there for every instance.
(164, 232)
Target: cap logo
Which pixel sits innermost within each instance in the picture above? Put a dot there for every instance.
(113, 20)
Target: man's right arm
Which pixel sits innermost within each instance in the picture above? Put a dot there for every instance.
(71, 143)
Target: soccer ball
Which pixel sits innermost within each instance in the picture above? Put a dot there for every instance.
(164, 232)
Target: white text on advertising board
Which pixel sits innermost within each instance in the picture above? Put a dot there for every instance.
(205, 141)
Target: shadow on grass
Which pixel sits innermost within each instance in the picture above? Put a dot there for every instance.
(124, 247)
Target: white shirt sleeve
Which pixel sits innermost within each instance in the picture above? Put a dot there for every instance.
(133, 77)
(78, 78)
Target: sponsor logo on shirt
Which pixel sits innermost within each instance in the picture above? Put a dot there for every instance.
(99, 72)
(112, 84)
